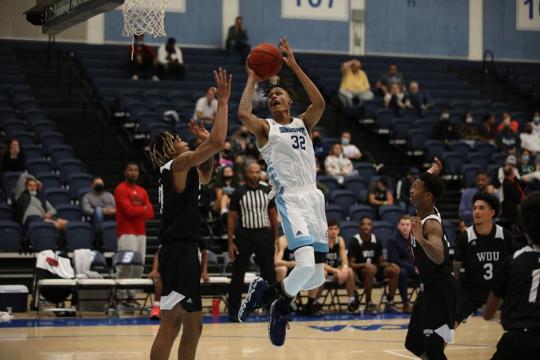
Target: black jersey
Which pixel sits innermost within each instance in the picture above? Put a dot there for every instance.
(517, 284)
(332, 256)
(180, 216)
(429, 271)
(365, 251)
(482, 256)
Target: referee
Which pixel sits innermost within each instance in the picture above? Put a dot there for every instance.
(256, 234)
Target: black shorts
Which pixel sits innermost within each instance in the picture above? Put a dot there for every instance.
(470, 299)
(433, 314)
(379, 275)
(518, 345)
(180, 272)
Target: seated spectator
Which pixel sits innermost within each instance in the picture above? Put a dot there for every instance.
(395, 100)
(513, 194)
(380, 194)
(20, 186)
(536, 123)
(507, 139)
(320, 148)
(532, 179)
(240, 140)
(352, 152)
(400, 253)
(529, 140)
(488, 129)
(354, 86)
(32, 206)
(142, 59)
(225, 186)
(366, 258)
(336, 267)
(338, 165)
(509, 163)
(507, 122)
(403, 190)
(206, 107)
(238, 167)
(99, 203)
(420, 100)
(225, 157)
(391, 77)
(526, 165)
(237, 38)
(444, 130)
(466, 204)
(14, 158)
(468, 130)
(170, 60)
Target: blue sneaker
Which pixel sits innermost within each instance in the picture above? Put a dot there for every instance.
(253, 299)
(279, 323)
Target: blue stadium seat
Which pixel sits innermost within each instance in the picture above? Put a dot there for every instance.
(60, 151)
(334, 212)
(49, 180)
(498, 158)
(33, 152)
(365, 171)
(39, 166)
(79, 235)
(329, 181)
(11, 236)
(343, 198)
(426, 125)
(400, 128)
(479, 158)
(24, 137)
(418, 138)
(50, 138)
(435, 148)
(383, 231)
(6, 213)
(68, 167)
(356, 212)
(347, 230)
(460, 147)
(9, 181)
(453, 162)
(469, 174)
(42, 236)
(57, 196)
(77, 182)
(391, 214)
(357, 184)
(69, 212)
(108, 236)
(384, 118)
(12, 126)
(484, 147)
(39, 127)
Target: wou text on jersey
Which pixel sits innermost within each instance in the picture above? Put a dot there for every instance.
(488, 256)
(283, 129)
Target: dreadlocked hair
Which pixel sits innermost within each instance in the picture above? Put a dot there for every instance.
(160, 147)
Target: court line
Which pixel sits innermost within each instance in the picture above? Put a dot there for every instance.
(395, 353)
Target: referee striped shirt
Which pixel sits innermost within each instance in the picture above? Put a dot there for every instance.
(252, 205)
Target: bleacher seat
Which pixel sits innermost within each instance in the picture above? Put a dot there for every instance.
(334, 212)
(435, 148)
(67, 167)
(391, 214)
(418, 138)
(453, 162)
(49, 180)
(60, 151)
(383, 231)
(450, 231)
(11, 236)
(400, 128)
(498, 158)
(479, 158)
(460, 147)
(329, 181)
(348, 229)
(108, 236)
(469, 174)
(6, 213)
(69, 212)
(365, 170)
(357, 185)
(356, 212)
(9, 181)
(32, 152)
(484, 147)
(42, 236)
(24, 137)
(79, 235)
(78, 182)
(57, 196)
(343, 198)
(39, 166)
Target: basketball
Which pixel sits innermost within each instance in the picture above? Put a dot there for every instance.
(266, 60)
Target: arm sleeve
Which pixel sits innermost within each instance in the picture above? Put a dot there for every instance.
(199, 106)
(21, 183)
(123, 201)
(86, 207)
(500, 282)
(235, 201)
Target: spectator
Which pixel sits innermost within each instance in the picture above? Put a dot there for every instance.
(206, 106)
(239, 165)
(526, 164)
(13, 159)
(352, 152)
(536, 123)
(513, 195)
(366, 258)
(533, 178)
(320, 148)
(444, 130)
(380, 194)
(507, 122)
(396, 100)
(403, 190)
(391, 77)
(133, 208)
(529, 140)
(468, 130)
(225, 157)
(99, 203)
(399, 252)
(170, 60)
(237, 38)
(509, 163)
(142, 59)
(338, 165)
(488, 129)
(20, 186)
(507, 139)
(420, 100)
(466, 204)
(354, 86)
(32, 206)
(226, 184)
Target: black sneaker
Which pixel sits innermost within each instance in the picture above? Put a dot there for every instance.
(279, 323)
(353, 306)
(371, 308)
(391, 309)
(253, 298)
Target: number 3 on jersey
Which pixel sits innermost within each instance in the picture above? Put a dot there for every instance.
(299, 142)
(488, 267)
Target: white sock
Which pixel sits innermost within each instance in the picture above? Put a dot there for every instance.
(351, 299)
(156, 303)
(319, 301)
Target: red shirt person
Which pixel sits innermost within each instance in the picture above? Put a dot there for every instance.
(133, 208)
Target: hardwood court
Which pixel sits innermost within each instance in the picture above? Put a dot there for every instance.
(310, 340)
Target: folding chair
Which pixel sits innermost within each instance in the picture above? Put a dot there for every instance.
(131, 258)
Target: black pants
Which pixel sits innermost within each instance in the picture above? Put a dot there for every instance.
(261, 243)
(518, 345)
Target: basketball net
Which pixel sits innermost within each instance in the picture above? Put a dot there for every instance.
(144, 16)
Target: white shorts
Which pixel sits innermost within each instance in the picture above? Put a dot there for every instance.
(303, 218)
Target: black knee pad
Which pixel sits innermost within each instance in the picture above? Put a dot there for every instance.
(434, 346)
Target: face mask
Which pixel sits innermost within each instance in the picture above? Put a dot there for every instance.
(469, 120)
(345, 141)
(445, 116)
(227, 177)
(536, 119)
(33, 193)
(99, 187)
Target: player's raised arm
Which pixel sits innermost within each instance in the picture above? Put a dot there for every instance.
(314, 112)
(254, 124)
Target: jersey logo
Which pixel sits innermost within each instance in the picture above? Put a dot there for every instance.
(473, 243)
(283, 129)
(298, 233)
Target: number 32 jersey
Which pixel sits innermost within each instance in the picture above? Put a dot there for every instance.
(289, 155)
(482, 256)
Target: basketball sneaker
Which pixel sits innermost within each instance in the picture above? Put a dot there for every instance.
(279, 323)
(254, 298)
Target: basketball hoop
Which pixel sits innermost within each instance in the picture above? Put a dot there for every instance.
(144, 16)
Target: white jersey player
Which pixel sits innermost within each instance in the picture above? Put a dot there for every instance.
(286, 146)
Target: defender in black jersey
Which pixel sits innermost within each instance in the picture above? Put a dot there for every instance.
(479, 253)
(181, 173)
(517, 286)
(432, 320)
